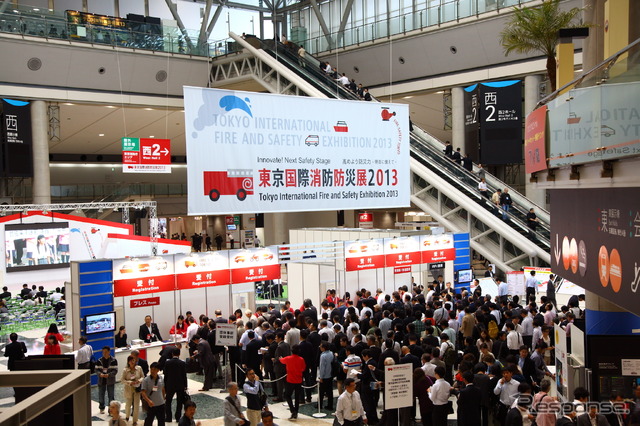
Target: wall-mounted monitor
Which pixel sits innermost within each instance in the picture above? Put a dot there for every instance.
(37, 246)
(232, 227)
(465, 276)
(100, 323)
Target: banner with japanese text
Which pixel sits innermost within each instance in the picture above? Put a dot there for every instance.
(437, 248)
(132, 277)
(253, 152)
(535, 152)
(361, 255)
(402, 251)
(257, 264)
(197, 270)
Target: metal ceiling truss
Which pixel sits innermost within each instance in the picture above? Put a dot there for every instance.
(243, 67)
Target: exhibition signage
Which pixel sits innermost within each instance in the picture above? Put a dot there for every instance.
(437, 248)
(254, 265)
(401, 270)
(132, 277)
(501, 122)
(365, 220)
(15, 132)
(594, 124)
(197, 270)
(362, 255)
(398, 386)
(595, 241)
(150, 155)
(226, 334)
(402, 251)
(252, 152)
(535, 140)
(143, 303)
(472, 122)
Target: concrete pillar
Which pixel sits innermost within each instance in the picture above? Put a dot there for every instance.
(593, 46)
(565, 62)
(531, 98)
(41, 174)
(457, 118)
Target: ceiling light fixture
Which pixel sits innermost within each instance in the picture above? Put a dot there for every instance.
(100, 134)
(68, 104)
(110, 106)
(407, 97)
(148, 109)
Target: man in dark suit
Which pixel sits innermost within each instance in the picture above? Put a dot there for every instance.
(388, 352)
(166, 353)
(251, 354)
(469, 401)
(6, 294)
(149, 331)
(205, 356)
(527, 365)
(482, 381)
(409, 358)
(175, 383)
(25, 291)
(370, 392)
(14, 350)
(592, 415)
(614, 407)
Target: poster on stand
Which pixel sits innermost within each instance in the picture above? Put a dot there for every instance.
(402, 251)
(144, 275)
(197, 270)
(398, 387)
(253, 152)
(362, 255)
(257, 264)
(437, 248)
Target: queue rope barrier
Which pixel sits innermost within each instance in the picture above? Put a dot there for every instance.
(319, 414)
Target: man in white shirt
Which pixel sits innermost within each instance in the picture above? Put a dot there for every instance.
(531, 284)
(507, 390)
(55, 296)
(503, 290)
(344, 80)
(192, 330)
(439, 394)
(514, 339)
(84, 354)
(527, 327)
(380, 297)
(428, 368)
(349, 411)
(325, 329)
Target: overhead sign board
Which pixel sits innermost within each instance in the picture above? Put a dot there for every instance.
(146, 155)
(402, 251)
(254, 265)
(363, 255)
(595, 241)
(197, 270)
(132, 277)
(252, 152)
(437, 248)
(535, 151)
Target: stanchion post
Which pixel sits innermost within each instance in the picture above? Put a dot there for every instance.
(319, 414)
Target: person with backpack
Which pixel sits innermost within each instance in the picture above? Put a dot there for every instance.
(449, 356)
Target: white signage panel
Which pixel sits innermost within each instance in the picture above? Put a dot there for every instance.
(398, 386)
(226, 334)
(252, 152)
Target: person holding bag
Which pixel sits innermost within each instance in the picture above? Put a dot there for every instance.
(153, 393)
(232, 412)
(132, 376)
(256, 397)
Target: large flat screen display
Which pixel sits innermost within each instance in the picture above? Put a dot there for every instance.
(36, 246)
(100, 323)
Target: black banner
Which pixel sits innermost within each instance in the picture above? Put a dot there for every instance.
(471, 122)
(16, 139)
(595, 241)
(500, 122)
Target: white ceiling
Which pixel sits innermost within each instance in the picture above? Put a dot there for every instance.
(81, 125)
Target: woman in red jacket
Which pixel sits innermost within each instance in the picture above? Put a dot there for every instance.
(180, 327)
(53, 331)
(52, 347)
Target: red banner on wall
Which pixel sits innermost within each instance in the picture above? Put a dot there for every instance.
(144, 285)
(142, 303)
(197, 270)
(402, 251)
(535, 154)
(254, 265)
(361, 255)
(437, 248)
(145, 275)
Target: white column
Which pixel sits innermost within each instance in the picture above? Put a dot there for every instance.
(531, 98)
(457, 118)
(41, 175)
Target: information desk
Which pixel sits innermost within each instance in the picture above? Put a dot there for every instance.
(149, 352)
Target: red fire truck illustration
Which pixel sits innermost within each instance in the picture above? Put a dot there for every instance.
(238, 182)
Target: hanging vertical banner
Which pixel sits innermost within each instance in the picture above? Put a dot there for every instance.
(471, 122)
(361, 255)
(437, 248)
(135, 276)
(501, 122)
(535, 153)
(197, 270)
(402, 251)
(140, 155)
(16, 136)
(252, 152)
(257, 264)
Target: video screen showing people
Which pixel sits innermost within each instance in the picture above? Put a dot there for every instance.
(100, 323)
(37, 246)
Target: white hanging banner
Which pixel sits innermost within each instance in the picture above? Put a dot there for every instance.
(252, 152)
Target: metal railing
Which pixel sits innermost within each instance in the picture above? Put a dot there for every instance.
(431, 16)
(103, 191)
(53, 25)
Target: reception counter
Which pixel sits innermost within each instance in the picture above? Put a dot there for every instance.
(149, 352)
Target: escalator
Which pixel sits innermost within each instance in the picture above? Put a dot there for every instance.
(440, 187)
